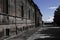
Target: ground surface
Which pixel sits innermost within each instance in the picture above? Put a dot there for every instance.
(40, 33)
(47, 33)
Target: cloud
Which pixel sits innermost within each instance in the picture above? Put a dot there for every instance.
(53, 7)
(50, 19)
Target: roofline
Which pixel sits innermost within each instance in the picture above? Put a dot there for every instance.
(35, 6)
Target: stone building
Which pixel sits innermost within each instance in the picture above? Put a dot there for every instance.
(38, 15)
(19, 13)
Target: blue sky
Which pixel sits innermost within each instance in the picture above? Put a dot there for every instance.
(47, 8)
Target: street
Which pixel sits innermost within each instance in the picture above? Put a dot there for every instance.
(47, 33)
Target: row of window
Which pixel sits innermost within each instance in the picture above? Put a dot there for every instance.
(10, 7)
(13, 8)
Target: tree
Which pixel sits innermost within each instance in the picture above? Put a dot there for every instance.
(57, 16)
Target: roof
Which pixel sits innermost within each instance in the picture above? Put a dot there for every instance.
(35, 6)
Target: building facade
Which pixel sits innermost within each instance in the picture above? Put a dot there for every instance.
(19, 13)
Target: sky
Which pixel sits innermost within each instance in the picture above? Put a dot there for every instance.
(47, 8)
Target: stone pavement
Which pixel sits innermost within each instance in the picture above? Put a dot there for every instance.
(47, 33)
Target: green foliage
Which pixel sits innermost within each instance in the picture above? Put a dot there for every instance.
(57, 16)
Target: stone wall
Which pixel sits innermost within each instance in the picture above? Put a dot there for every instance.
(20, 12)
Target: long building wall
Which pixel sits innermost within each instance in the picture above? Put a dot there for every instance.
(18, 13)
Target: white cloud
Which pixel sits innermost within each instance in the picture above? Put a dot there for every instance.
(53, 7)
(50, 19)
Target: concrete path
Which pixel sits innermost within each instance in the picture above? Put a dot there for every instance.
(47, 33)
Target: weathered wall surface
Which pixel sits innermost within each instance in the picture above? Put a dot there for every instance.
(19, 13)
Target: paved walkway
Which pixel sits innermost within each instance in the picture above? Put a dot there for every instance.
(47, 33)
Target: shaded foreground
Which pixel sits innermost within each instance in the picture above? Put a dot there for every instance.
(50, 34)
